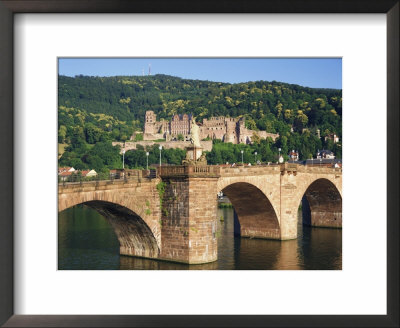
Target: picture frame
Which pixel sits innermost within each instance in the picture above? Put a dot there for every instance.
(7, 200)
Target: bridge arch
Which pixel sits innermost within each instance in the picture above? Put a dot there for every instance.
(134, 235)
(256, 215)
(321, 201)
(140, 199)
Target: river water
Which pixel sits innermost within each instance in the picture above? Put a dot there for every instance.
(87, 242)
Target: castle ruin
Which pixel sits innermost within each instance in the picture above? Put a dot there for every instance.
(227, 129)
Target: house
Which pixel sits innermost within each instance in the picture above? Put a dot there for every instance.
(65, 169)
(65, 175)
(332, 137)
(74, 175)
(294, 155)
(324, 153)
(88, 173)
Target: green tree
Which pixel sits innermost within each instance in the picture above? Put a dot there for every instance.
(138, 137)
(62, 133)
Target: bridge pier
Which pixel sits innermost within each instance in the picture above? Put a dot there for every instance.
(288, 203)
(189, 214)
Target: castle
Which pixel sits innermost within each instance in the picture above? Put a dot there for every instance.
(227, 129)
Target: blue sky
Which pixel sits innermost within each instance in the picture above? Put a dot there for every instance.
(309, 72)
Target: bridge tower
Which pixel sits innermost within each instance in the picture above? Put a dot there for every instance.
(189, 214)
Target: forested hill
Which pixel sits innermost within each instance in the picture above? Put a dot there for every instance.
(271, 106)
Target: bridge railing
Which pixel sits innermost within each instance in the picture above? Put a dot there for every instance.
(249, 170)
(319, 169)
(197, 170)
(120, 175)
(188, 170)
(274, 168)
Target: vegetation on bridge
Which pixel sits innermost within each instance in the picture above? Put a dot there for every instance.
(161, 191)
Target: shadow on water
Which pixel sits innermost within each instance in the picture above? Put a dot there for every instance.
(320, 248)
(87, 242)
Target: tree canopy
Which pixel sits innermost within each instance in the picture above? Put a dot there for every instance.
(266, 105)
(94, 111)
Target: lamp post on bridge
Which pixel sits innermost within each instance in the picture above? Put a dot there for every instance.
(123, 159)
(160, 148)
(147, 160)
(242, 157)
(280, 159)
(255, 157)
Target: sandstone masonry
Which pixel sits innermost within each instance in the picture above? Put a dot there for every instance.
(180, 223)
(227, 129)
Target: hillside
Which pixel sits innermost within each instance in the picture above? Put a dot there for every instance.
(93, 109)
(127, 98)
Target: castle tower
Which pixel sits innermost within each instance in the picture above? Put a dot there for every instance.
(241, 137)
(231, 134)
(150, 121)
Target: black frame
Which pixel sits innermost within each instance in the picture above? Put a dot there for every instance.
(7, 10)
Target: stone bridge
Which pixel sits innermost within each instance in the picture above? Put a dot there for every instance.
(174, 216)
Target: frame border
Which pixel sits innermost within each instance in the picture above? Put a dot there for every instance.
(10, 7)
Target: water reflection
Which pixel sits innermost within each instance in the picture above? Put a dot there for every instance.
(87, 242)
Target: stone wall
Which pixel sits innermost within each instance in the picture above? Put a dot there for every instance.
(153, 136)
(189, 216)
(175, 220)
(132, 145)
(203, 224)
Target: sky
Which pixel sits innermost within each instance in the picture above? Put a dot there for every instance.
(309, 72)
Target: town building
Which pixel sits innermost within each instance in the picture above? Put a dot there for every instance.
(88, 173)
(227, 129)
(332, 137)
(64, 176)
(324, 153)
(65, 169)
(69, 173)
(294, 155)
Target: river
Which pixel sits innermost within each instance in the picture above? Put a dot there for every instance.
(87, 242)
